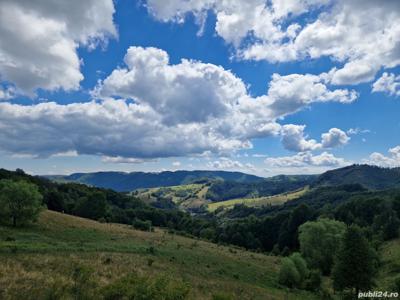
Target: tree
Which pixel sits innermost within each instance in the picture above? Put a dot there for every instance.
(319, 241)
(93, 207)
(20, 201)
(355, 263)
(387, 223)
(288, 233)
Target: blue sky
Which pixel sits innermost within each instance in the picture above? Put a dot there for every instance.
(255, 86)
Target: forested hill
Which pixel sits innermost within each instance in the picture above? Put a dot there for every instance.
(238, 183)
(120, 181)
(371, 177)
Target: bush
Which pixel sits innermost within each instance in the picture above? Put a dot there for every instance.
(301, 265)
(146, 288)
(294, 271)
(142, 225)
(288, 274)
(275, 250)
(313, 282)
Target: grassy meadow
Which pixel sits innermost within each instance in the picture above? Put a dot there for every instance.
(42, 261)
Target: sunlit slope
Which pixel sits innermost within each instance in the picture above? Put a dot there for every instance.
(259, 201)
(37, 258)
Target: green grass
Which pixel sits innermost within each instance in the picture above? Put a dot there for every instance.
(260, 201)
(34, 259)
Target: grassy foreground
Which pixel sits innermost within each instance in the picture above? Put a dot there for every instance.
(40, 261)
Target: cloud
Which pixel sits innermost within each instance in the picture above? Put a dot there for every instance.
(7, 93)
(355, 131)
(225, 163)
(71, 153)
(176, 164)
(281, 31)
(389, 161)
(183, 93)
(259, 155)
(388, 83)
(292, 92)
(109, 128)
(293, 139)
(305, 159)
(334, 138)
(52, 31)
(123, 160)
(150, 108)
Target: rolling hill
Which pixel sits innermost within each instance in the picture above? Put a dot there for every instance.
(371, 177)
(64, 255)
(278, 199)
(124, 182)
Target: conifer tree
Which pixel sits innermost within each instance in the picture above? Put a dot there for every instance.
(355, 263)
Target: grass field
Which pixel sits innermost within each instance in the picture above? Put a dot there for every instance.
(39, 261)
(260, 201)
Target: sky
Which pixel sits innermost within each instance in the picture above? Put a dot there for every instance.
(262, 87)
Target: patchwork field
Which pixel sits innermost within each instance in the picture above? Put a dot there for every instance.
(187, 197)
(259, 201)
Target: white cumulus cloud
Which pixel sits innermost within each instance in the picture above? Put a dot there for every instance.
(334, 138)
(150, 108)
(294, 139)
(40, 38)
(391, 160)
(345, 31)
(304, 159)
(388, 83)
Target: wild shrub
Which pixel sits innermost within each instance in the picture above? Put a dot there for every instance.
(314, 280)
(150, 262)
(294, 273)
(288, 274)
(142, 225)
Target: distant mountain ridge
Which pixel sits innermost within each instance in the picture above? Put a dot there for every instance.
(120, 181)
(371, 177)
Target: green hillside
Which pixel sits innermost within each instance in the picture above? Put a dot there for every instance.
(43, 260)
(259, 201)
(199, 197)
(188, 197)
(371, 177)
